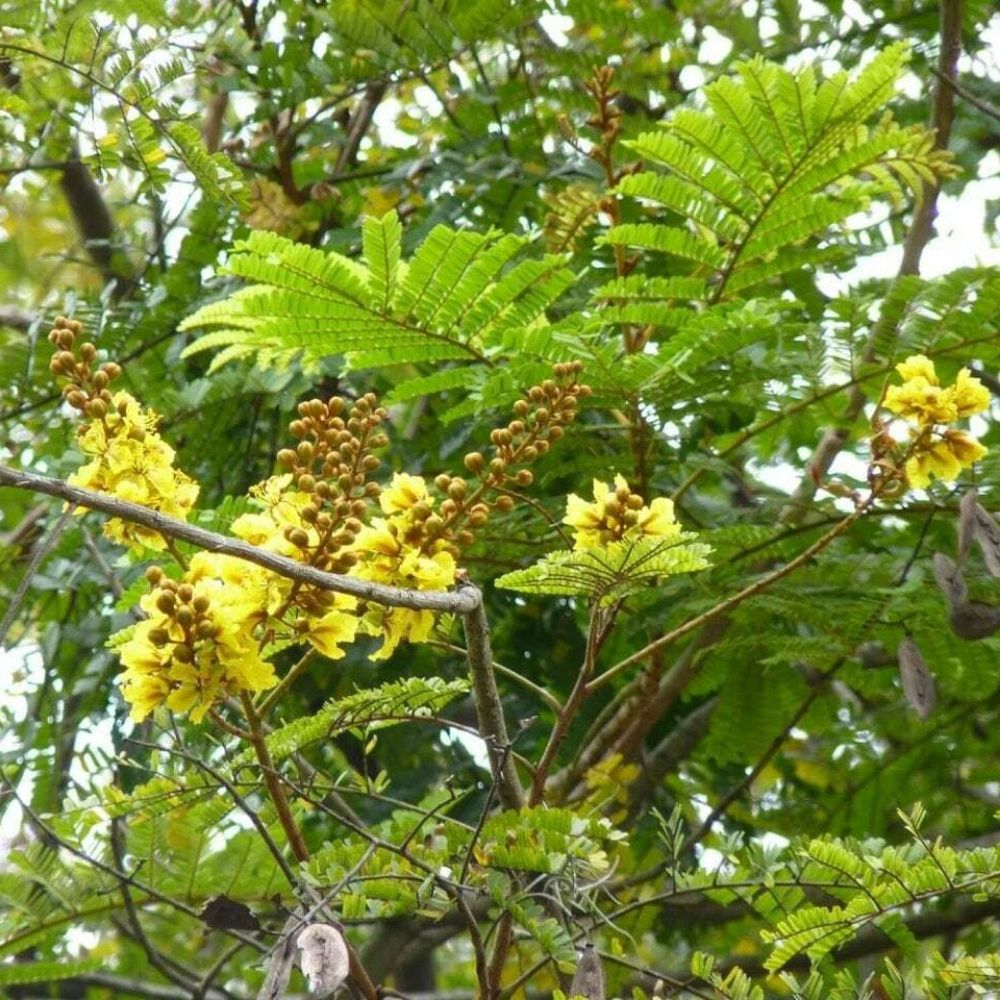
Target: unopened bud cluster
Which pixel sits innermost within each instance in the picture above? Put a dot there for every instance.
(540, 419)
(333, 463)
(86, 388)
(190, 614)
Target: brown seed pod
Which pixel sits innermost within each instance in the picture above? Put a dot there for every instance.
(974, 620)
(589, 979)
(966, 523)
(987, 534)
(949, 579)
(918, 681)
(872, 655)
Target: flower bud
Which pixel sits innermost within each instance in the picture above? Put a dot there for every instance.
(524, 477)
(184, 615)
(299, 537)
(474, 461)
(165, 603)
(112, 369)
(200, 604)
(159, 636)
(442, 482)
(183, 653)
(154, 575)
(504, 503)
(185, 592)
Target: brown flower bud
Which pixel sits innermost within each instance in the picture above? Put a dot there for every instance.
(524, 477)
(442, 482)
(88, 351)
(166, 603)
(154, 575)
(159, 636)
(200, 604)
(183, 653)
(287, 457)
(504, 503)
(521, 407)
(112, 369)
(299, 537)
(370, 463)
(307, 482)
(464, 537)
(184, 615)
(96, 409)
(458, 488)
(474, 461)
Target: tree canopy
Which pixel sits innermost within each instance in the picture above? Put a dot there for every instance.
(498, 499)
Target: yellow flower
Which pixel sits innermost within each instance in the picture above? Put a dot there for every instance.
(397, 625)
(618, 514)
(389, 551)
(192, 652)
(918, 366)
(403, 493)
(922, 399)
(131, 461)
(281, 513)
(337, 626)
(943, 458)
(969, 394)
(922, 402)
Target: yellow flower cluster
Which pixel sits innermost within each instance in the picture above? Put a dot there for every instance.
(616, 515)
(406, 548)
(936, 450)
(212, 633)
(131, 461)
(128, 459)
(196, 644)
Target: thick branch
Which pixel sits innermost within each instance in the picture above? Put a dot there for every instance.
(489, 709)
(461, 602)
(93, 218)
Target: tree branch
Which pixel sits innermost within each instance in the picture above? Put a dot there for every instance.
(489, 708)
(462, 602)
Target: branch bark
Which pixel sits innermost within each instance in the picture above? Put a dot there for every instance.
(461, 602)
(489, 708)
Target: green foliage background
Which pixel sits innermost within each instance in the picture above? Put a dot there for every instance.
(320, 198)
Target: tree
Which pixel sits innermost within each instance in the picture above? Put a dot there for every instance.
(479, 518)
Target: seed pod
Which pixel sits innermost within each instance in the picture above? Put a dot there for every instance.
(949, 580)
(589, 979)
(918, 681)
(974, 620)
(872, 655)
(987, 534)
(325, 961)
(966, 523)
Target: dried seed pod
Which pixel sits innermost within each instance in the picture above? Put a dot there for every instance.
(223, 913)
(987, 534)
(949, 579)
(589, 979)
(974, 620)
(872, 655)
(918, 681)
(966, 523)
(325, 961)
